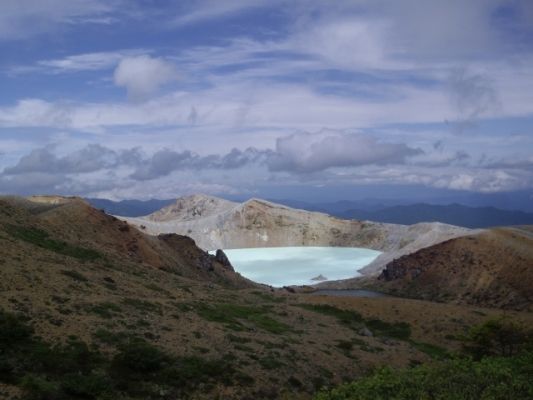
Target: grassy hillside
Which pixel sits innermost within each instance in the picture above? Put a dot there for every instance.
(91, 308)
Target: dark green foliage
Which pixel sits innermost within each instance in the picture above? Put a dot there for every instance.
(233, 315)
(140, 357)
(397, 330)
(501, 337)
(42, 239)
(74, 371)
(435, 352)
(347, 317)
(143, 305)
(269, 297)
(271, 361)
(142, 369)
(112, 338)
(345, 345)
(13, 330)
(464, 379)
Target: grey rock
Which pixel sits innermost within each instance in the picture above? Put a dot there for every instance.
(364, 331)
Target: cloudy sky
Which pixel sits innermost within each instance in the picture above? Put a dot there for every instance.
(155, 99)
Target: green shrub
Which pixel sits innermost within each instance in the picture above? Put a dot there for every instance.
(42, 239)
(105, 310)
(501, 337)
(73, 371)
(139, 356)
(347, 317)
(13, 330)
(397, 330)
(465, 379)
(233, 314)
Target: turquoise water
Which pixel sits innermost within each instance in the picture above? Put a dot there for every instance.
(285, 266)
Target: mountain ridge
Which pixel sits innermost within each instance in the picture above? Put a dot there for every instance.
(387, 211)
(262, 223)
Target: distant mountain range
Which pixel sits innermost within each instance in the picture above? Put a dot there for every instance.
(375, 210)
(453, 214)
(129, 208)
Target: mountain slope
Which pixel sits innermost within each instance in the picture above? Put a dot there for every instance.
(132, 208)
(492, 268)
(105, 298)
(454, 214)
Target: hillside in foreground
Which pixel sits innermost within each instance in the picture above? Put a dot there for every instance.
(93, 308)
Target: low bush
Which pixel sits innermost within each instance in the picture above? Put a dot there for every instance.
(490, 379)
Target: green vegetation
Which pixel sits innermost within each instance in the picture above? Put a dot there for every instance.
(269, 297)
(74, 275)
(354, 320)
(143, 305)
(501, 337)
(74, 371)
(465, 379)
(42, 239)
(486, 376)
(235, 316)
(347, 317)
(396, 330)
(105, 310)
(435, 352)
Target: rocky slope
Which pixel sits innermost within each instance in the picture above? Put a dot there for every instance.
(116, 313)
(493, 268)
(215, 223)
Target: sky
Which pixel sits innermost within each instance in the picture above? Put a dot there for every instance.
(139, 99)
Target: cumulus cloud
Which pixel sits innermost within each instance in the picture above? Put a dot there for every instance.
(93, 157)
(143, 75)
(310, 152)
(485, 181)
(31, 183)
(166, 161)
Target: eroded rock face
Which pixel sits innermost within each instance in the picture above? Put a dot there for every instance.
(223, 259)
(397, 269)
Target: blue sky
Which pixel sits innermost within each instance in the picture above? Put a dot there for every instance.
(143, 99)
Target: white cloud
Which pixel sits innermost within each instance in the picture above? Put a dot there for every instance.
(143, 75)
(310, 152)
(205, 10)
(21, 19)
(86, 62)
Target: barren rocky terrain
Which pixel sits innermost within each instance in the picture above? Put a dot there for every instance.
(216, 223)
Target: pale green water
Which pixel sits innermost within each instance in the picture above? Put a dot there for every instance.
(285, 266)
